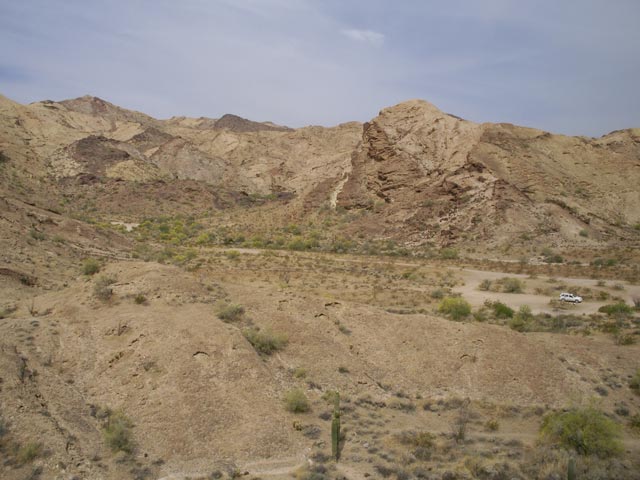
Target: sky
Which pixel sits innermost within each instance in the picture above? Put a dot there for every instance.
(565, 66)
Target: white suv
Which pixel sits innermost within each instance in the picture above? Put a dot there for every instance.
(570, 297)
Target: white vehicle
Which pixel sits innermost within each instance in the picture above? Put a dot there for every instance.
(570, 297)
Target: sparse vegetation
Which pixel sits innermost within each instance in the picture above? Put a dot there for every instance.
(586, 430)
(29, 452)
(230, 312)
(634, 422)
(511, 285)
(492, 425)
(118, 431)
(102, 288)
(634, 383)
(448, 254)
(140, 299)
(295, 401)
(90, 266)
(265, 342)
(455, 308)
(500, 310)
(37, 235)
(616, 309)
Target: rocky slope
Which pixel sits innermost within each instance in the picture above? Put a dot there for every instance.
(445, 179)
(424, 176)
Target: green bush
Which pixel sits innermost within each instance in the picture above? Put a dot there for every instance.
(295, 401)
(266, 342)
(455, 307)
(616, 309)
(500, 310)
(586, 430)
(118, 432)
(90, 266)
(230, 312)
(485, 285)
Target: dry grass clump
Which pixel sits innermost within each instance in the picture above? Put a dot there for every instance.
(28, 452)
(455, 308)
(118, 431)
(295, 401)
(90, 266)
(102, 288)
(265, 342)
(230, 312)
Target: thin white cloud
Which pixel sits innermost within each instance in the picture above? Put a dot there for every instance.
(365, 36)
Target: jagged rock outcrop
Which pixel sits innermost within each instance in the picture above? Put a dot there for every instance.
(448, 180)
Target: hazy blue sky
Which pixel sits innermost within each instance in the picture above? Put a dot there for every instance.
(569, 66)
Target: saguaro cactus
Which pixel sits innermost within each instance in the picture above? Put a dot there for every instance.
(571, 469)
(335, 429)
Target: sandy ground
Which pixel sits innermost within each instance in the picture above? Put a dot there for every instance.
(538, 303)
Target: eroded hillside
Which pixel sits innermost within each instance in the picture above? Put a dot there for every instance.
(183, 298)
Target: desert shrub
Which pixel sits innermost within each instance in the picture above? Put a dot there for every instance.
(90, 266)
(230, 312)
(438, 293)
(455, 307)
(232, 254)
(37, 235)
(554, 259)
(480, 315)
(621, 338)
(634, 422)
(500, 310)
(330, 396)
(417, 439)
(636, 301)
(586, 430)
(619, 309)
(448, 253)
(521, 319)
(459, 424)
(118, 432)
(102, 288)
(604, 262)
(295, 401)
(584, 233)
(485, 285)
(634, 383)
(266, 342)
(492, 425)
(29, 452)
(140, 299)
(511, 285)
(299, 372)
(402, 406)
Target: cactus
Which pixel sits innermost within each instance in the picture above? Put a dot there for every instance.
(571, 469)
(335, 429)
